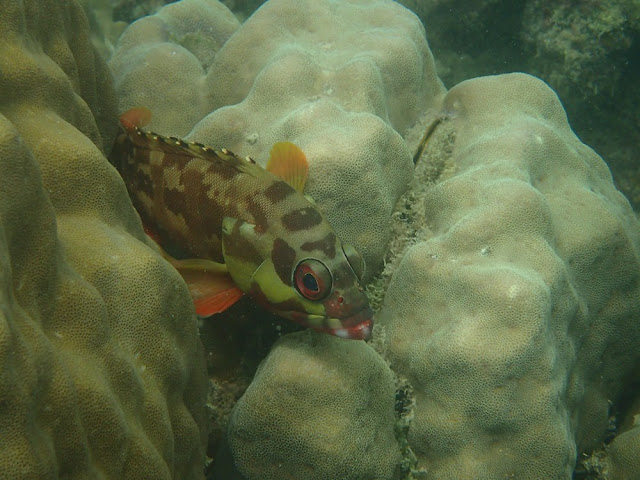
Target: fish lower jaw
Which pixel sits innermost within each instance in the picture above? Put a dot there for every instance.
(361, 331)
(359, 325)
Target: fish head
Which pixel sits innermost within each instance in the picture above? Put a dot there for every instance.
(316, 284)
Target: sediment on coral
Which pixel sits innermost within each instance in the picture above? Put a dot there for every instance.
(408, 222)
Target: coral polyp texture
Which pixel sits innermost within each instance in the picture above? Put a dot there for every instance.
(623, 460)
(344, 80)
(515, 315)
(319, 407)
(101, 369)
(161, 62)
(508, 334)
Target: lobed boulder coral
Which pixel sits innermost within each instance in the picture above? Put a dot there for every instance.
(342, 79)
(161, 62)
(514, 316)
(511, 317)
(319, 407)
(584, 49)
(101, 369)
(623, 455)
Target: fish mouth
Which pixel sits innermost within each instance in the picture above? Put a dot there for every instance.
(361, 331)
(355, 327)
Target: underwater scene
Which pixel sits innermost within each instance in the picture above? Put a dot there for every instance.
(319, 240)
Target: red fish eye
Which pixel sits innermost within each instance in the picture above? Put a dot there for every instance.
(312, 279)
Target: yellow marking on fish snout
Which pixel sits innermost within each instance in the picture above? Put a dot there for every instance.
(318, 321)
(334, 323)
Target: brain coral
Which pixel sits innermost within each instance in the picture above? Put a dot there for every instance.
(342, 79)
(514, 316)
(319, 407)
(101, 369)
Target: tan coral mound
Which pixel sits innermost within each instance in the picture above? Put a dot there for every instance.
(101, 369)
(624, 455)
(161, 62)
(319, 407)
(343, 80)
(515, 315)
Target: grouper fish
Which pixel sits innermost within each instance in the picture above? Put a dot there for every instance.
(241, 228)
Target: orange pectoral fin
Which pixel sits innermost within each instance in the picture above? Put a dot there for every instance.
(216, 303)
(210, 285)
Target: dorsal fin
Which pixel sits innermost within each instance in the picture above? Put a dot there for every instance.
(223, 158)
(135, 118)
(288, 162)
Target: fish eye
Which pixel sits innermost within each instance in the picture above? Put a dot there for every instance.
(312, 279)
(310, 282)
(355, 260)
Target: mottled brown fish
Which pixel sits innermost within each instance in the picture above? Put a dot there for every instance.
(243, 229)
